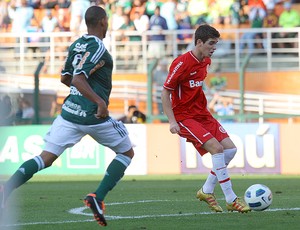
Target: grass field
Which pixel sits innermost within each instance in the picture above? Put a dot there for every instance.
(147, 202)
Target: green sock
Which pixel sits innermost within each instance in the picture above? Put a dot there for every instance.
(23, 174)
(113, 174)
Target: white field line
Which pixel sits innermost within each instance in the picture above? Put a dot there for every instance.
(80, 211)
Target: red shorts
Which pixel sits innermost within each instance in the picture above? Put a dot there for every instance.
(198, 131)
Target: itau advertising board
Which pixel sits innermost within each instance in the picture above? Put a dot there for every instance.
(257, 150)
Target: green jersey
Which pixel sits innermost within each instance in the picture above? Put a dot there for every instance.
(88, 56)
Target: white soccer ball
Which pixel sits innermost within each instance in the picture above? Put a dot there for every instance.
(258, 197)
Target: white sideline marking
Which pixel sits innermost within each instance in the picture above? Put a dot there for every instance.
(80, 211)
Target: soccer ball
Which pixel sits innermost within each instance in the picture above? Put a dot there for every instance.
(258, 197)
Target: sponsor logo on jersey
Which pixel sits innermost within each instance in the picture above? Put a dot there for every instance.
(80, 47)
(74, 109)
(81, 113)
(74, 91)
(174, 71)
(193, 73)
(194, 83)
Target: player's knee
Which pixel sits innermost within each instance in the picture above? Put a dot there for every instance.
(48, 158)
(216, 149)
(48, 163)
(213, 146)
(229, 154)
(129, 153)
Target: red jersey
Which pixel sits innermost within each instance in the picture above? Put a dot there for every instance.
(257, 3)
(185, 79)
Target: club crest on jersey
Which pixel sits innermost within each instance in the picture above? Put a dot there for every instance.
(222, 130)
(194, 83)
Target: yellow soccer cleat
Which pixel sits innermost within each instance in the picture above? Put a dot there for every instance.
(238, 205)
(210, 199)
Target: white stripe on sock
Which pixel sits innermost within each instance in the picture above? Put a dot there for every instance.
(40, 162)
(125, 160)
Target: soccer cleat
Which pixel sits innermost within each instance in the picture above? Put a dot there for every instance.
(210, 199)
(97, 208)
(238, 205)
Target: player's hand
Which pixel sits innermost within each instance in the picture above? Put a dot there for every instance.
(174, 128)
(102, 112)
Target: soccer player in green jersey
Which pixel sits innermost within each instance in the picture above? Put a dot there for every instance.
(88, 73)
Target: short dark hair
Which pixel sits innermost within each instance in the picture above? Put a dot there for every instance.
(93, 15)
(205, 32)
(132, 107)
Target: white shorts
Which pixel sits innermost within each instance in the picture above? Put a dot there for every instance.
(64, 134)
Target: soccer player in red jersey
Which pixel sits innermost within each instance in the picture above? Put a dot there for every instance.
(185, 105)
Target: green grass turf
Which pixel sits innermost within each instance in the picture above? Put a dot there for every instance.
(149, 202)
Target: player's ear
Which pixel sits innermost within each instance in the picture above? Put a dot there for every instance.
(199, 42)
(104, 21)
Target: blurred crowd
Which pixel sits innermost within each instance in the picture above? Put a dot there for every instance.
(68, 15)
(151, 15)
